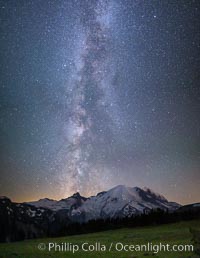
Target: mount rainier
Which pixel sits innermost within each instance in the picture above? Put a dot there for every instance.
(120, 201)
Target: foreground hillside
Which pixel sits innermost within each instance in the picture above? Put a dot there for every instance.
(172, 234)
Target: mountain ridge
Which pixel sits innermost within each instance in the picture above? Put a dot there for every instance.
(119, 201)
(50, 217)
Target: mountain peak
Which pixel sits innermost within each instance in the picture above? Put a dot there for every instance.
(77, 194)
(46, 199)
(120, 186)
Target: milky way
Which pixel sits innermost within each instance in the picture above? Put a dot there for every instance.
(97, 93)
(87, 100)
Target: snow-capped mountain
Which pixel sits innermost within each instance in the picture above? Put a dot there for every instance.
(120, 201)
(54, 218)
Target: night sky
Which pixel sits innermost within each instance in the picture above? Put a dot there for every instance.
(96, 93)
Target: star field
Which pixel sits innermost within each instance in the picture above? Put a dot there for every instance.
(97, 93)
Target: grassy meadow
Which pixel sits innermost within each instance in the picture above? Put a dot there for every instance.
(178, 233)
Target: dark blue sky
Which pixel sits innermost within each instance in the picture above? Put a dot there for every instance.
(99, 93)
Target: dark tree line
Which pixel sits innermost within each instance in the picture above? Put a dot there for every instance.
(154, 217)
